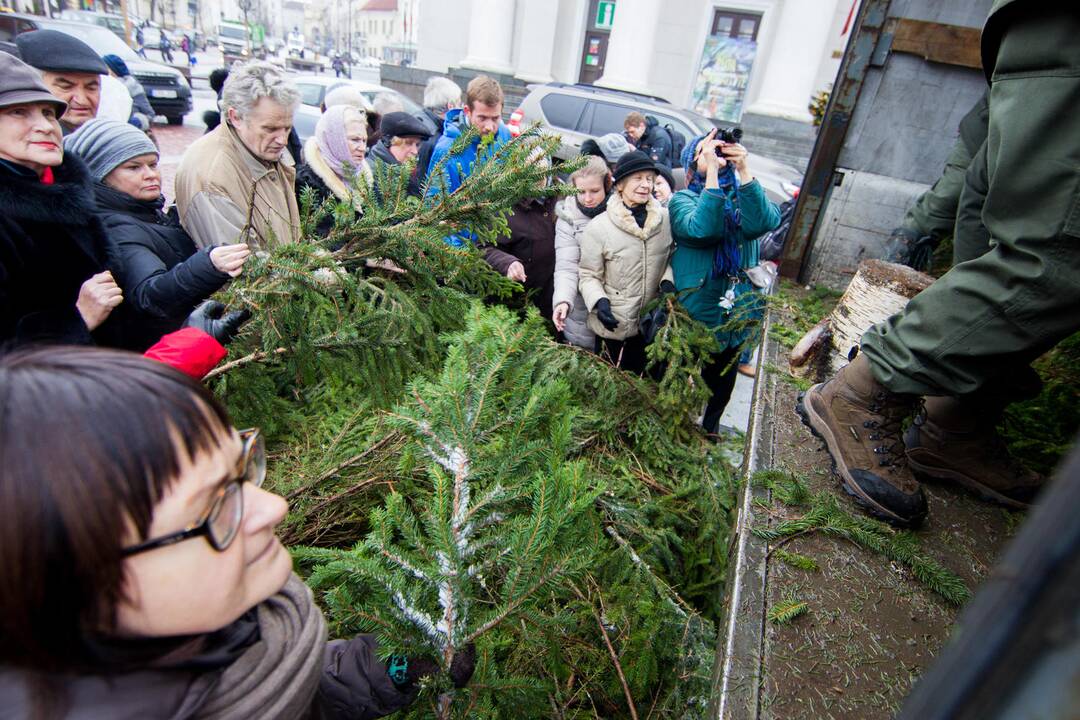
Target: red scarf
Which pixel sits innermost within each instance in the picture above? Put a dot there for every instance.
(47, 176)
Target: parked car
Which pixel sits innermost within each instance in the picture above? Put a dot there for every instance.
(166, 88)
(313, 89)
(115, 23)
(577, 112)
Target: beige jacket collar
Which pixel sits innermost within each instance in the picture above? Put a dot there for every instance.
(313, 157)
(623, 219)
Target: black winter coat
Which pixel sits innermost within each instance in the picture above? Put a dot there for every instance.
(51, 242)
(381, 152)
(161, 273)
(532, 242)
(306, 177)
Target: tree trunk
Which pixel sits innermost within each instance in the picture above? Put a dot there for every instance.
(878, 291)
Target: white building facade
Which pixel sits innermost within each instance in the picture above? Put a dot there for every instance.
(720, 57)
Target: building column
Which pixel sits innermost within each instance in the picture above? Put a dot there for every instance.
(491, 36)
(630, 46)
(537, 39)
(795, 52)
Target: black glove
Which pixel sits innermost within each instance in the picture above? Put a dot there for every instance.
(211, 318)
(667, 287)
(461, 669)
(417, 668)
(604, 314)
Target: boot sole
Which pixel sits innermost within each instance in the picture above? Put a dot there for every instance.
(809, 418)
(972, 486)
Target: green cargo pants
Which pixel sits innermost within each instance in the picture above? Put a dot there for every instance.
(934, 212)
(991, 315)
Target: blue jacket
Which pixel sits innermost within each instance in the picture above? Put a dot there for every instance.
(458, 166)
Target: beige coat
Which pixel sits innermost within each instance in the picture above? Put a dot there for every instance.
(225, 194)
(624, 263)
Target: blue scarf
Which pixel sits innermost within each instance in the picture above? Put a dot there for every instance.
(727, 259)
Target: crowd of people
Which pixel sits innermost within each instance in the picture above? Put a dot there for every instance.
(95, 269)
(140, 568)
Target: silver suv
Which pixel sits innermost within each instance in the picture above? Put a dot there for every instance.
(578, 112)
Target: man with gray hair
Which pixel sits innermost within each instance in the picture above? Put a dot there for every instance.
(236, 183)
(440, 95)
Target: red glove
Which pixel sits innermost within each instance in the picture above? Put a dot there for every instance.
(190, 350)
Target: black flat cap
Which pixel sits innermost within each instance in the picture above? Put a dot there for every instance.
(55, 51)
(402, 124)
(632, 162)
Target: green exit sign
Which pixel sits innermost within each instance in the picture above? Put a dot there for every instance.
(605, 14)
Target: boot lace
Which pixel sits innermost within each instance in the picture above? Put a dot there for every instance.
(888, 430)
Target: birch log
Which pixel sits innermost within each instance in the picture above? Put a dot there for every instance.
(878, 291)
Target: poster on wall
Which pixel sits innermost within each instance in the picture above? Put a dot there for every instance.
(722, 77)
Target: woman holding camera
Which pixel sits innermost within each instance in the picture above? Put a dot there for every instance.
(716, 221)
(142, 576)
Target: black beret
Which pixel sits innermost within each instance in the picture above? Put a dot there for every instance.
(402, 124)
(55, 51)
(632, 162)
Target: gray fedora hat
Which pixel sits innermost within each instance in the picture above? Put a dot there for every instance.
(20, 83)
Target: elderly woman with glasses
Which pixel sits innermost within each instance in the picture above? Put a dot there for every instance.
(624, 262)
(141, 570)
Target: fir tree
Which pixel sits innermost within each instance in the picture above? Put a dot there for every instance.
(455, 476)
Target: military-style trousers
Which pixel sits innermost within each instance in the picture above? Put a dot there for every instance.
(934, 213)
(991, 315)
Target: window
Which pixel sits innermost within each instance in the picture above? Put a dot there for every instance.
(562, 111)
(727, 23)
(608, 118)
(7, 29)
(310, 94)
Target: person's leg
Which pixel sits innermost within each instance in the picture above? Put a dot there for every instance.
(994, 313)
(720, 375)
(633, 355)
(1007, 306)
(971, 239)
(933, 215)
(746, 362)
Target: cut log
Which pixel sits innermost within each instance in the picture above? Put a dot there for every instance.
(878, 291)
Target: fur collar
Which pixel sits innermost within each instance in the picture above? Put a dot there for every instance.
(622, 218)
(68, 201)
(314, 159)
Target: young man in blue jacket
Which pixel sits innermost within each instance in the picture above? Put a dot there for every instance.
(483, 110)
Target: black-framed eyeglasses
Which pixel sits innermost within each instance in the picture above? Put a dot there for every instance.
(221, 522)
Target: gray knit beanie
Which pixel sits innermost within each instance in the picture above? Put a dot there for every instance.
(106, 144)
(614, 146)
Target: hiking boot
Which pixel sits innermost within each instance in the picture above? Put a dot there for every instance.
(859, 420)
(959, 442)
(907, 247)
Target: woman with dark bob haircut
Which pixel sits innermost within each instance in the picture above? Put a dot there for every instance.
(139, 571)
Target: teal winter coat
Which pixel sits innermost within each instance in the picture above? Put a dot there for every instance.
(697, 225)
